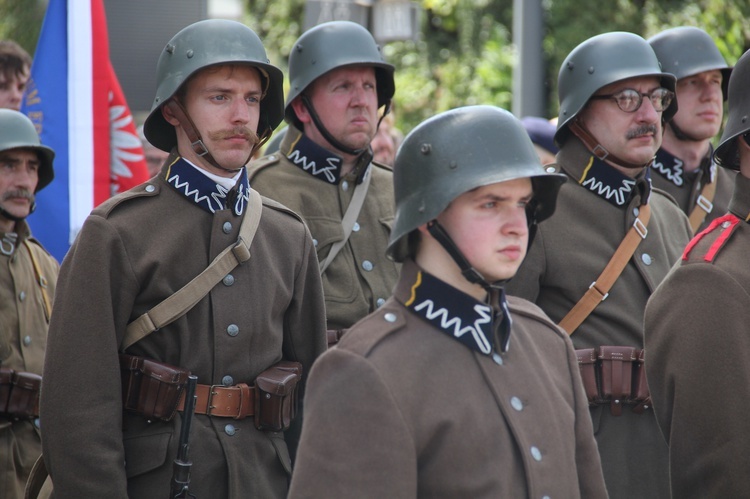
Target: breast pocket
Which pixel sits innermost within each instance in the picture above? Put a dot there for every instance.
(340, 276)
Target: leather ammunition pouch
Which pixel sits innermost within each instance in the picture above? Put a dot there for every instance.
(19, 394)
(156, 391)
(615, 376)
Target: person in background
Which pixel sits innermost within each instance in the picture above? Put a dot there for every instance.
(612, 239)
(155, 157)
(386, 141)
(15, 69)
(684, 166)
(696, 333)
(340, 86)
(449, 389)
(28, 278)
(542, 133)
(217, 99)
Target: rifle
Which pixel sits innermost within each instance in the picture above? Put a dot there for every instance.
(181, 466)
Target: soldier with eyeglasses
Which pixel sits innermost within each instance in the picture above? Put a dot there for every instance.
(614, 102)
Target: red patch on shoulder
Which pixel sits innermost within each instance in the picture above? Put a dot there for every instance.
(719, 243)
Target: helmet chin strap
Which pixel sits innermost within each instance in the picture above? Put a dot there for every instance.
(327, 135)
(681, 134)
(196, 141)
(598, 150)
(5, 214)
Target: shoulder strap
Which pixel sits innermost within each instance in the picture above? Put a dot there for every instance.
(703, 205)
(41, 280)
(352, 212)
(191, 293)
(599, 289)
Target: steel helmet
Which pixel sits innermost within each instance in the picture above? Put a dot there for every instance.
(457, 151)
(17, 131)
(738, 120)
(599, 61)
(209, 43)
(332, 45)
(686, 51)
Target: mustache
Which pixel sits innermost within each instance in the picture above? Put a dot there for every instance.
(641, 130)
(242, 131)
(18, 193)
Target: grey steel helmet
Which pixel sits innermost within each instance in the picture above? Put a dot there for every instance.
(687, 51)
(332, 45)
(598, 62)
(17, 131)
(209, 43)
(457, 151)
(738, 120)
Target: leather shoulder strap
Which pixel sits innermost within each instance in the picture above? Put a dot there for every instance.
(191, 293)
(599, 289)
(703, 205)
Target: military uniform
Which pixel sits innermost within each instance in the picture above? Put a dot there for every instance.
(23, 340)
(686, 187)
(594, 211)
(402, 409)
(697, 343)
(134, 251)
(305, 177)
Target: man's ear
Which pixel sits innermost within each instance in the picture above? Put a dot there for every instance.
(300, 110)
(168, 115)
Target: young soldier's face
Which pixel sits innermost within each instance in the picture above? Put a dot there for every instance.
(224, 104)
(701, 106)
(489, 226)
(12, 87)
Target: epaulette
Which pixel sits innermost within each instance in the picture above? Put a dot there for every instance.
(147, 189)
(39, 245)
(255, 166)
(372, 329)
(275, 205)
(728, 224)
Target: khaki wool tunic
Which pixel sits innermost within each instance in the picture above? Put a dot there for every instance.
(361, 276)
(23, 341)
(133, 251)
(569, 252)
(698, 344)
(667, 174)
(400, 409)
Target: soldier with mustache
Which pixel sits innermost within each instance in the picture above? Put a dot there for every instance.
(218, 98)
(28, 276)
(341, 87)
(614, 101)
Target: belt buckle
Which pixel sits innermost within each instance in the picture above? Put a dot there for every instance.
(209, 403)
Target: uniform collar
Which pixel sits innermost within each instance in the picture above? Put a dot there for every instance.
(600, 178)
(205, 192)
(464, 319)
(671, 168)
(318, 161)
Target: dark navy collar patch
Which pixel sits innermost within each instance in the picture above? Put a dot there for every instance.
(206, 193)
(608, 183)
(315, 160)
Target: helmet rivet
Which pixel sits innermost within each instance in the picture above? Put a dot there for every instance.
(453, 165)
(425, 149)
(299, 47)
(421, 208)
(744, 119)
(571, 65)
(591, 70)
(189, 54)
(170, 48)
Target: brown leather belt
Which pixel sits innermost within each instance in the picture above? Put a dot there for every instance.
(236, 401)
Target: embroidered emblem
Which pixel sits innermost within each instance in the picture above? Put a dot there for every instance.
(206, 193)
(670, 167)
(315, 160)
(607, 183)
(457, 314)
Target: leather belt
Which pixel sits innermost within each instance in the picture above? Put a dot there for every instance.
(236, 401)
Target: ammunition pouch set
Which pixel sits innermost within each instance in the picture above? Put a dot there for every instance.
(615, 376)
(156, 390)
(19, 394)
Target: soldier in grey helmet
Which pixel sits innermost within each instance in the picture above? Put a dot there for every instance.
(696, 333)
(106, 434)
(28, 275)
(451, 389)
(612, 239)
(340, 88)
(683, 166)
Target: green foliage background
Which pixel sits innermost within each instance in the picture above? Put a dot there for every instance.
(465, 54)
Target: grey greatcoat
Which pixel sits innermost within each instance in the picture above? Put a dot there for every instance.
(698, 344)
(134, 251)
(399, 409)
(569, 252)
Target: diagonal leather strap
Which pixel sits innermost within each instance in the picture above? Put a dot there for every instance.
(703, 205)
(352, 212)
(191, 293)
(599, 289)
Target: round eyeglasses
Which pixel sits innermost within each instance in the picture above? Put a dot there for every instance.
(630, 100)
